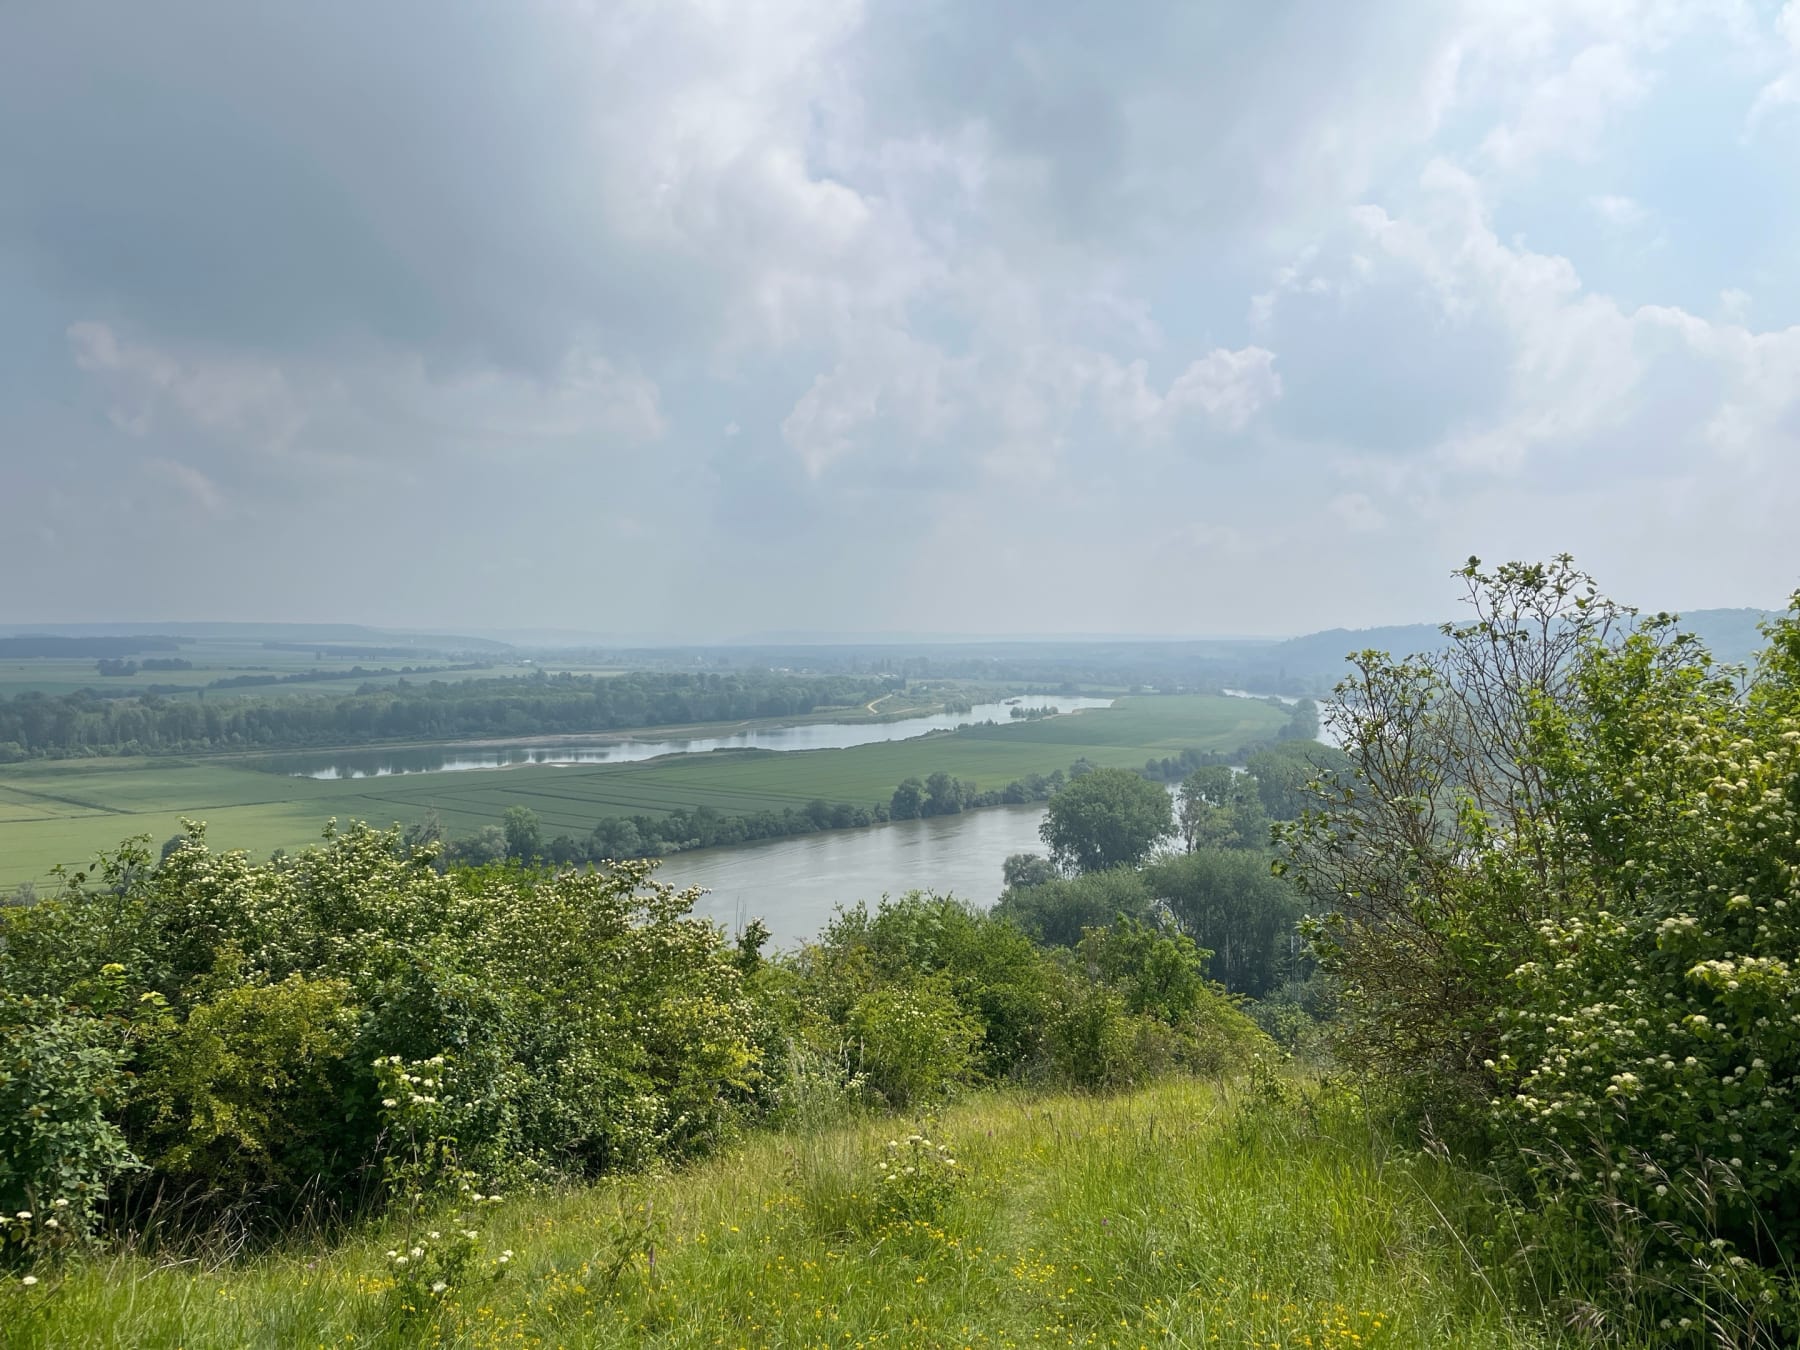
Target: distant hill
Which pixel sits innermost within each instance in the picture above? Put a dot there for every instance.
(1732, 635)
(306, 634)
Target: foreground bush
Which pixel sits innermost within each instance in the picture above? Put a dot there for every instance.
(923, 994)
(587, 1021)
(1563, 882)
(207, 1041)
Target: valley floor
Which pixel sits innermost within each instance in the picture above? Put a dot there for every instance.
(63, 811)
(1185, 1214)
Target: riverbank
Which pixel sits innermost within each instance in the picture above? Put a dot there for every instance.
(648, 743)
(794, 885)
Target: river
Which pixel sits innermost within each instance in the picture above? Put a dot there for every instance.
(793, 884)
(809, 736)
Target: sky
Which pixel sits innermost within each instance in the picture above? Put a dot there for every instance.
(708, 317)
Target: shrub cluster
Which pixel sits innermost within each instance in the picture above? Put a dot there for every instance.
(924, 994)
(229, 1026)
(1562, 883)
(352, 1027)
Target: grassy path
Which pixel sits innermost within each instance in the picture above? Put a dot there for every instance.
(1177, 1216)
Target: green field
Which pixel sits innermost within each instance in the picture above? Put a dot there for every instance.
(56, 676)
(63, 811)
(216, 657)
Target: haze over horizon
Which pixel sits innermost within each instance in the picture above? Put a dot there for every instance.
(694, 319)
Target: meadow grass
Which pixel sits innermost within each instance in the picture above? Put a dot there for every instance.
(1185, 1214)
(63, 811)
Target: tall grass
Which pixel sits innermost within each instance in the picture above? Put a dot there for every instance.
(1182, 1215)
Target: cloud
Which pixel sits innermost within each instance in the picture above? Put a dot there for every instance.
(1568, 111)
(1783, 90)
(311, 409)
(243, 398)
(196, 486)
(1229, 387)
(1260, 287)
(1618, 211)
(1596, 391)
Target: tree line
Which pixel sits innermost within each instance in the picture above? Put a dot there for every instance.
(44, 646)
(39, 725)
(113, 667)
(520, 837)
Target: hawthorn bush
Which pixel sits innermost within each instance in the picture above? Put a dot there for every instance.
(1560, 895)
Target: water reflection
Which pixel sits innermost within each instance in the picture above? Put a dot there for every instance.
(814, 736)
(794, 884)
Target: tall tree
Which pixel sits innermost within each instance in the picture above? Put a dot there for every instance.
(1106, 818)
(524, 833)
(908, 800)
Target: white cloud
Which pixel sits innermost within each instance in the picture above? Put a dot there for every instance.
(1621, 212)
(1229, 387)
(324, 410)
(888, 377)
(1783, 90)
(1567, 112)
(230, 395)
(1585, 370)
(196, 486)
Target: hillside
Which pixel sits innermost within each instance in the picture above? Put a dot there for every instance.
(1187, 1214)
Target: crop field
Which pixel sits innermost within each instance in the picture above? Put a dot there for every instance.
(63, 811)
(225, 660)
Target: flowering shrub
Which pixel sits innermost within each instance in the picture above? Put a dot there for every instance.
(419, 1111)
(431, 1266)
(916, 1042)
(59, 1150)
(1652, 1041)
(1564, 883)
(915, 1180)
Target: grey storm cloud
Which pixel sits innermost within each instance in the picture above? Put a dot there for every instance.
(994, 317)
